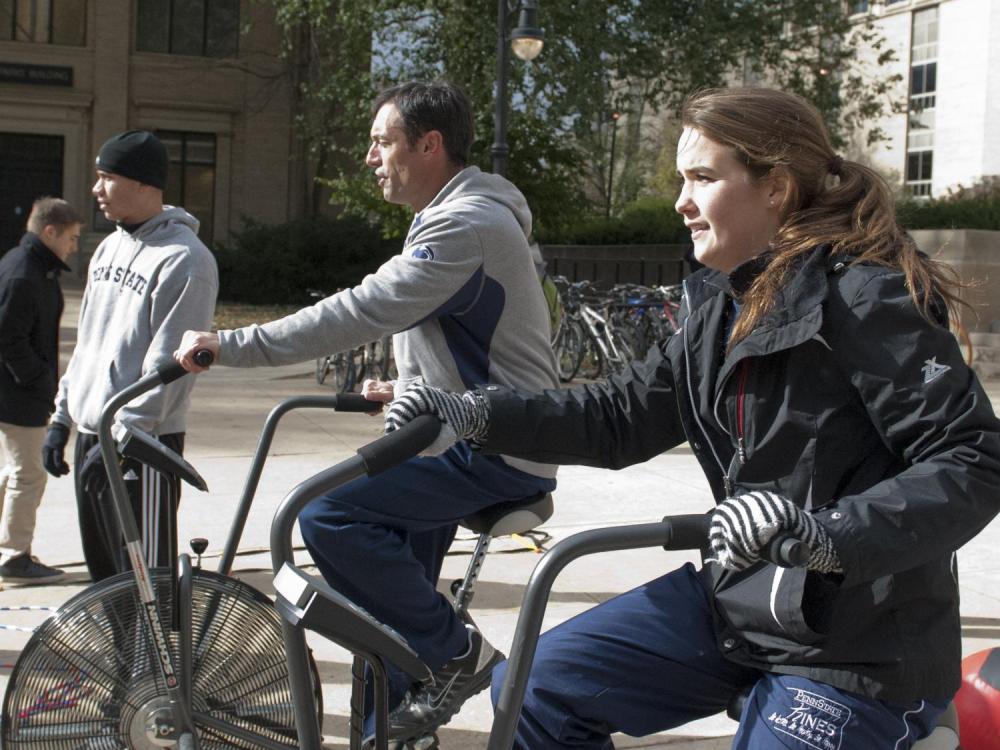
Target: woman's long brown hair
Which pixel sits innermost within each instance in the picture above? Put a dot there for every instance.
(829, 200)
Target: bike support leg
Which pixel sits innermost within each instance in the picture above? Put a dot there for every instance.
(529, 624)
(300, 682)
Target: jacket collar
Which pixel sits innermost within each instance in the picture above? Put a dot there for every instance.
(40, 250)
(796, 315)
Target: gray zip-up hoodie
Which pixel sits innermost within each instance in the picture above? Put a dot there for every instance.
(462, 299)
(143, 291)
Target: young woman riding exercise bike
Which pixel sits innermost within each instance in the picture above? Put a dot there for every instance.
(817, 382)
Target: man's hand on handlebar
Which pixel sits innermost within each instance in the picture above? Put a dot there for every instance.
(192, 342)
(743, 526)
(378, 390)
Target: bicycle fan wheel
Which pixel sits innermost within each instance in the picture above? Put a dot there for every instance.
(88, 679)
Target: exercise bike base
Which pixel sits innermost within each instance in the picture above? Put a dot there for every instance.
(88, 676)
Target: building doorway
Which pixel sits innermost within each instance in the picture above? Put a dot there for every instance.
(32, 168)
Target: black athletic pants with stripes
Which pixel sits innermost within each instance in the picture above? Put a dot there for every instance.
(154, 497)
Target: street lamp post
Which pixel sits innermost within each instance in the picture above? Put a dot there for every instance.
(526, 40)
(611, 166)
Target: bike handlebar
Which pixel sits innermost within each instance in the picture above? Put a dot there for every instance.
(691, 532)
(681, 532)
(175, 370)
(357, 402)
(397, 446)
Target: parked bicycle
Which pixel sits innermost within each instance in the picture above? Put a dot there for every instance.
(350, 368)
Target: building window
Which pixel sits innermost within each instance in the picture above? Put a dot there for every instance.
(191, 177)
(919, 166)
(923, 86)
(209, 28)
(44, 21)
(857, 6)
(923, 100)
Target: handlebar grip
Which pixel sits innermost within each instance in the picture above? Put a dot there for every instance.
(398, 446)
(356, 402)
(173, 371)
(787, 552)
(203, 358)
(688, 531)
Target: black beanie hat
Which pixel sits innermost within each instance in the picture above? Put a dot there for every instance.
(136, 154)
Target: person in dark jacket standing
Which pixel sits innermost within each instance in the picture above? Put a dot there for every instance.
(816, 381)
(31, 305)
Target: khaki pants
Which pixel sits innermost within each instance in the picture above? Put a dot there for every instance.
(22, 482)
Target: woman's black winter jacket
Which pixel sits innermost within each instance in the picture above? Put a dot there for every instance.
(851, 404)
(31, 304)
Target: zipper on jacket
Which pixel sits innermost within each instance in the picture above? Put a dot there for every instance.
(740, 454)
(727, 482)
(741, 392)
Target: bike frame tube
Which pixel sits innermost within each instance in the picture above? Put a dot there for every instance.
(536, 594)
(257, 467)
(296, 651)
(133, 544)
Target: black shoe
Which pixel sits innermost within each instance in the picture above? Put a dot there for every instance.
(431, 704)
(26, 569)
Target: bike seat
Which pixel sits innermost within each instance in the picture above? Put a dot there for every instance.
(514, 517)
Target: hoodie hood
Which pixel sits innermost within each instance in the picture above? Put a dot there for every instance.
(164, 225)
(474, 185)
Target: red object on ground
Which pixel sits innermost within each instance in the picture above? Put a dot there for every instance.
(978, 701)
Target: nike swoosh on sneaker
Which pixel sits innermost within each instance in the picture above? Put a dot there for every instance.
(436, 703)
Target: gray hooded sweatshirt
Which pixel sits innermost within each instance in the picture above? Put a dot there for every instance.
(462, 300)
(143, 291)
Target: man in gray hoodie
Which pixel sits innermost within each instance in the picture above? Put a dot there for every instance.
(148, 282)
(465, 306)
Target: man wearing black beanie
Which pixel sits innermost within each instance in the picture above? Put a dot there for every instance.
(148, 282)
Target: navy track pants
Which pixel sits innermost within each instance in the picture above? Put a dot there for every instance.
(647, 661)
(380, 541)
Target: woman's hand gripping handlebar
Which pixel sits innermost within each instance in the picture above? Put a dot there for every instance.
(692, 532)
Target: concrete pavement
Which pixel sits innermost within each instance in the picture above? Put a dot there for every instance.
(228, 410)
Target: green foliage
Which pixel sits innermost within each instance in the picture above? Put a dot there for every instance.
(975, 207)
(636, 57)
(646, 221)
(279, 263)
(831, 60)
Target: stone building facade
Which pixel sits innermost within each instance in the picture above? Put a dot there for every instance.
(204, 74)
(948, 52)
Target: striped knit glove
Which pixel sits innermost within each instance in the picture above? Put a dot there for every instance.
(742, 526)
(463, 416)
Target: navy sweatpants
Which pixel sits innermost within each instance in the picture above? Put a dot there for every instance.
(381, 540)
(647, 661)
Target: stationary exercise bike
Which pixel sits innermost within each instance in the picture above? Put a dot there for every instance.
(307, 603)
(183, 657)
(163, 657)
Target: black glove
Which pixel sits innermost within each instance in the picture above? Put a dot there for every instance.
(464, 415)
(742, 526)
(54, 449)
